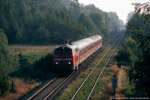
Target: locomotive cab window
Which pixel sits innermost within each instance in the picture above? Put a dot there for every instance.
(67, 51)
(59, 51)
(63, 51)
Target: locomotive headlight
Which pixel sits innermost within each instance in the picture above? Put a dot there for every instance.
(69, 62)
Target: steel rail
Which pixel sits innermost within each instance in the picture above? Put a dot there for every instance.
(93, 69)
(103, 69)
(41, 89)
(52, 92)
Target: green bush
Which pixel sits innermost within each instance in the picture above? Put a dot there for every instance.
(8, 64)
(34, 68)
(42, 67)
(121, 63)
(4, 85)
(128, 91)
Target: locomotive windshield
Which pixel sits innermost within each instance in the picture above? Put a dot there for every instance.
(67, 51)
(63, 51)
(58, 51)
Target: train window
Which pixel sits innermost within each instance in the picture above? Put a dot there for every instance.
(83, 51)
(59, 51)
(76, 50)
(67, 51)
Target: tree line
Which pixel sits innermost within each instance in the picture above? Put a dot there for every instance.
(136, 51)
(53, 21)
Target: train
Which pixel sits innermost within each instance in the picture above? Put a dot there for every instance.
(68, 57)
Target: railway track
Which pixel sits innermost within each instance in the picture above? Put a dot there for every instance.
(40, 90)
(100, 74)
(115, 45)
(52, 92)
(48, 90)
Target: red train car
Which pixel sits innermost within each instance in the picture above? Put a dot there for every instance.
(68, 57)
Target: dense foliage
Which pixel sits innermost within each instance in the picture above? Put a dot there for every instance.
(45, 22)
(8, 64)
(31, 68)
(53, 21)
(137, 51)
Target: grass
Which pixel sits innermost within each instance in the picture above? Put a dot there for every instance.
(127, 89)
(21, 88)
(28, 56)
(104, 91)
(103, 88)
(68, 92)
(31, 51)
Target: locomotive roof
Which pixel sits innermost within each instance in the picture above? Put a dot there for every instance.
(82, 43)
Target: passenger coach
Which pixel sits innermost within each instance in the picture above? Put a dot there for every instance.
(68, 57)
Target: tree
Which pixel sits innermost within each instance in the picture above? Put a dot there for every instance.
(75, 8)
(114, 22)
(144, 10)
(4, 54)
(88, 24)
(138, 28)
(4, 64)
(126, 54)
(4, 85)
(54, 20)
(100, 22)
(41, 36)
(8, 64)
(141, 35)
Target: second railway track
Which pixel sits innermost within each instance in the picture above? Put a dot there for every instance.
(113, 48)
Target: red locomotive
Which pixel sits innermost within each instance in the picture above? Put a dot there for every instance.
(68, 57)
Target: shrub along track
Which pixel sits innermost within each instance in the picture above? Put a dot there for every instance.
(53, 88)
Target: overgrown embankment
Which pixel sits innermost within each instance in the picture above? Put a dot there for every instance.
(34, 66)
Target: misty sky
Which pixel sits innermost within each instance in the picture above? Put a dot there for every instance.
(121, 7)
